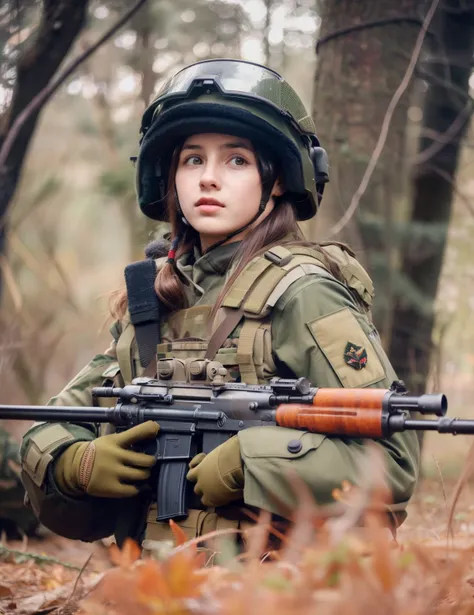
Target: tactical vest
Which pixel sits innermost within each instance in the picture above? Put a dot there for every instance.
(240, 337)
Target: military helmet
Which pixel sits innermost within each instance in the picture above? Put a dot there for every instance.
(238, 98)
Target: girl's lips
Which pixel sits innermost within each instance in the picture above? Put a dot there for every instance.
(208, 203)
(208, 208)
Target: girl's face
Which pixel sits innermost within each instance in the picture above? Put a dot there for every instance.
(219, 186)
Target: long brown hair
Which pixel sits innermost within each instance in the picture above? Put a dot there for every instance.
(280, 227)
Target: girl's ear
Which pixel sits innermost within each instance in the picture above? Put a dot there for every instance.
(278, 188)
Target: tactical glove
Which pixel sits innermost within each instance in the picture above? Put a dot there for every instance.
(219, 476)
(106, 467)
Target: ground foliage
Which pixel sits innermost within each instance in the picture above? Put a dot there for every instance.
(324, 567)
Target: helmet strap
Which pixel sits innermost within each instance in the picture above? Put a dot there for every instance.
(178, 207)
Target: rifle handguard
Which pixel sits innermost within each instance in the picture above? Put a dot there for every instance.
(343, 412)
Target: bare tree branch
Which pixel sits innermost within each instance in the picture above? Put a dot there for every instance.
(450, 179)
(45, 94)
(432, 194)
(377, 23)
(444, 138)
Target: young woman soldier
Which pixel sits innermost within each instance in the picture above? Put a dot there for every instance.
(230, 158)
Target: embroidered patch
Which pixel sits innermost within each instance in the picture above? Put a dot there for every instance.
(355, 356)
(330, 331)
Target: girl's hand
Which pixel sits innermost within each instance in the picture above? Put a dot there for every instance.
(106, 467)
(219, 476)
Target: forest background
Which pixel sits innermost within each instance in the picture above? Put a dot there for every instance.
(390, 88)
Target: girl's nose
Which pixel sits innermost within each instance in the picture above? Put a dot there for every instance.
(209, 177)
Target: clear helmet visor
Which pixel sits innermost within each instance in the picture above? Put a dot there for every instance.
(236, 79)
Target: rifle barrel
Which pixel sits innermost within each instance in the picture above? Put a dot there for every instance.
(55, 413)
(124, 415)
(443, 425)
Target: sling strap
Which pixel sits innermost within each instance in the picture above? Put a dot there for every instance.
(144, 307)
(223, 331)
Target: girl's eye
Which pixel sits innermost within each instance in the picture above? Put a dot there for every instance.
(239, 161)
(192, 160)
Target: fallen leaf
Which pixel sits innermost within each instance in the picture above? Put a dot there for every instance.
(5, 591)
(179, 535)
(126, 556)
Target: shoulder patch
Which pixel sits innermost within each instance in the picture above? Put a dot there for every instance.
(347, 348)
(355, 356)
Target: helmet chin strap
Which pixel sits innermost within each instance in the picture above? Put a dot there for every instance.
(261, 209)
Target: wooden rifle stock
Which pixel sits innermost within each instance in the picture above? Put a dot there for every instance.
(355, 413)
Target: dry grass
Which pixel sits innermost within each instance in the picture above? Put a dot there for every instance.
(327, 565)
(363, 572)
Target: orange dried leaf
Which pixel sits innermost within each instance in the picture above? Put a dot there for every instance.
(178, 533)
(129, 554)
(181, 574)
(5, 591)
(382, 561)
(151, 581)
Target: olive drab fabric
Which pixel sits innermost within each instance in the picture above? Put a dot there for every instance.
(15, 517)
(306, 312)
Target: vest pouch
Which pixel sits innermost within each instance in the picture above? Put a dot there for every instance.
(197, 523)
(157, 531)
(182, 349)
(228, 358)
(262, 354)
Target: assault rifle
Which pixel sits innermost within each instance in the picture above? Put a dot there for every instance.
(196, 416)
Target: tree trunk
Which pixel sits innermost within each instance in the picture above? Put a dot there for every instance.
(446, 116)
(60, 24)
(363, 52)
(266, 32)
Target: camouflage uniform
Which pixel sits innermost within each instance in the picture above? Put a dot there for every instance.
(298, 317)
(305, 334)
(15, 517)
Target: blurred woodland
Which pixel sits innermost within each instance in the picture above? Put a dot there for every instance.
(390, 88)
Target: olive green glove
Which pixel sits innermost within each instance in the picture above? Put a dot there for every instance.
(106, 467)
(219, 476)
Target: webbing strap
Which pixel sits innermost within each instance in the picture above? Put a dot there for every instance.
(124, 353)
(144, 308)
(246, 279)
(223, 331)
(271, 279)
(264, 273)
(263, 289)
(248, 373)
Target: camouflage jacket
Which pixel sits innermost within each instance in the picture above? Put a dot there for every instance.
(306, 333)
